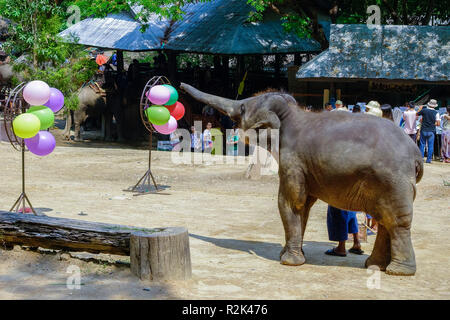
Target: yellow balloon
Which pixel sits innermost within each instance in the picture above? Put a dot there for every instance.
(26, 125)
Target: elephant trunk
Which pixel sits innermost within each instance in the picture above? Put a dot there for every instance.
(226, 106)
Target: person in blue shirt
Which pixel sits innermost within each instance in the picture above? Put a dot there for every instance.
(430, 119)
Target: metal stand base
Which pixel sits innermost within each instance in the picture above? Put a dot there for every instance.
(22, 200)
(144, 184)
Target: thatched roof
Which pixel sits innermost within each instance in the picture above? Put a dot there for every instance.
(392, 52)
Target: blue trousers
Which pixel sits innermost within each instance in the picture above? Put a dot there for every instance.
(427, 137)
(340, 223)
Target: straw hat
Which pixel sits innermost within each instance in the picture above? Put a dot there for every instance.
(432, 104)
(374, 109)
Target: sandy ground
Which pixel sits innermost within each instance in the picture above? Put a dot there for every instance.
(235, 232)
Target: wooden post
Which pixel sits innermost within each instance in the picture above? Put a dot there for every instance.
(120, 64)
(163, 255)
(172, 65)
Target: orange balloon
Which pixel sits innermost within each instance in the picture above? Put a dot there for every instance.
(176, 110)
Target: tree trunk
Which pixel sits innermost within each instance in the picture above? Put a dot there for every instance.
(161, 256)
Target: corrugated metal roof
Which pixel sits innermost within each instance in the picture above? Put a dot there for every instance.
(219, 27)
(383, 52)
(116, 31)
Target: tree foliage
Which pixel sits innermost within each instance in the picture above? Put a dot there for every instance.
(33, 37)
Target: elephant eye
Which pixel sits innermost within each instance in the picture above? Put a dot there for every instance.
(242, 109)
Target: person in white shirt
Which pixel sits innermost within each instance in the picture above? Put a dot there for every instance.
(340, 106)
(410, 118)
(207, 138)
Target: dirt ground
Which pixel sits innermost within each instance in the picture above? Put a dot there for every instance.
(235, 232)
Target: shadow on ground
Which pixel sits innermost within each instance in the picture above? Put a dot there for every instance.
(314, 251)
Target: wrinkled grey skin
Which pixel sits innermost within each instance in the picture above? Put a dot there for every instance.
(351, 161)
(94, 105)
(6, 73)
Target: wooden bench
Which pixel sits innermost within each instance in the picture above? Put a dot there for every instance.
(155, 254)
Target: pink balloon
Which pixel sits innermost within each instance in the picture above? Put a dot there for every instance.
(37, 93)
(167, 128)
(159, 95)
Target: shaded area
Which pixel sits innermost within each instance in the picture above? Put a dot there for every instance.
(314, 251)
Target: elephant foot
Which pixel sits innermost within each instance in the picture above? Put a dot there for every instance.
(283, 251)
(292, 259)
(77, 139)
(400, 269)
(381, 263)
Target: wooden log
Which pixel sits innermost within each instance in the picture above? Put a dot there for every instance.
(65, 234)
(164, 255)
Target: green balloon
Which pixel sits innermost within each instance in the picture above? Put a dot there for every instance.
(173, 95)
(26, 125)
(158, 115)
(45, 115)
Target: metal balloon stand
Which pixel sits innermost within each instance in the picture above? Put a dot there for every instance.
(144, 185)
(16, 105)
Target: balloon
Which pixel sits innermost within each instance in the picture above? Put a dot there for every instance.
(45, 115)
(42, 144)
(36, 93)
(173, 95)
(26, 125)
(159, 95)
(158, 115)
(56, 101)
(176, 110)
(167, 128)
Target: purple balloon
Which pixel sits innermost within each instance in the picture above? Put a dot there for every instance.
(56, 101)
(41, 144)
(167, 128)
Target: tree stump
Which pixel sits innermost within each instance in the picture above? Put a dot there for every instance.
(161, 255)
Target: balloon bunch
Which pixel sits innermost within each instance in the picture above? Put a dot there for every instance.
(32, 125)
(166, 108)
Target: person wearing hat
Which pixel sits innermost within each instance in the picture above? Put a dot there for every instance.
(373, 108)
(339, 106)
(430, 119)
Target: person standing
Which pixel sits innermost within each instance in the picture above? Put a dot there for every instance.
(430, 119)
(230, 139)
(445, 145)
(340, 223)
(196, 140)
(410, 117)
(207, 138)
(340, 106)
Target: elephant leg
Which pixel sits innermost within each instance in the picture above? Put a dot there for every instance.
(66, 133)
(304, 215)
(381, 253)
(403, 260)
(396, 216)
(294, 208)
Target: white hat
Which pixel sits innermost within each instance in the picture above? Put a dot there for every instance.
(374, 109)
(432, 104)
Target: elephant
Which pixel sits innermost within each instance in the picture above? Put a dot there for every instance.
(6, 73)
(94, 104)
(351, 161)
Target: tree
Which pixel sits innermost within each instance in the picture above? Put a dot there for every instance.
(32, 34)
